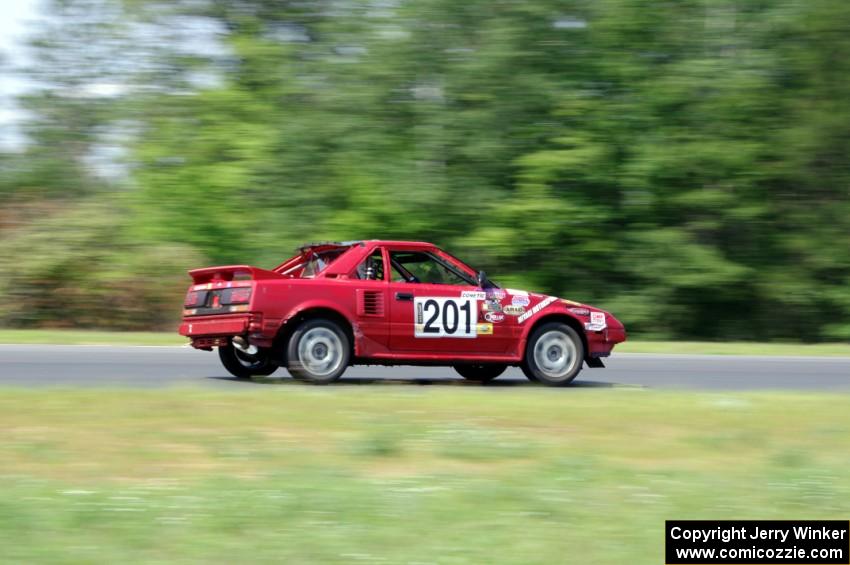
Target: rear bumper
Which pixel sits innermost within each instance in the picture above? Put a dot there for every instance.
(211, 331)
(214, 326)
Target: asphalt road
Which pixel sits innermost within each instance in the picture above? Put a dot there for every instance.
(109, 366)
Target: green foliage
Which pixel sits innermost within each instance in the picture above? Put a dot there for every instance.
(71, 270)
(684, 165)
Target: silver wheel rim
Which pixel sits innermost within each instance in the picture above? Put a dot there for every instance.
(320, 351)
(555, 354)
(247, 361)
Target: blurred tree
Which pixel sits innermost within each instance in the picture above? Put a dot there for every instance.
(70, 269)
(71, 90)
(684, 164)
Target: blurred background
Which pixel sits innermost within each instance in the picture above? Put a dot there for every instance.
(685, 164)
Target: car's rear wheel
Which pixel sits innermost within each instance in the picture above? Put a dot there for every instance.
(480, 373)
(318, 351)
(529, 375)
(554, 354)
(244, 366)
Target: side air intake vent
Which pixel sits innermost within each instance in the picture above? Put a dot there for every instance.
(370, 303)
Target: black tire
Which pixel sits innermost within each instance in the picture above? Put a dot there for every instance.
(244, 366)
(480, 373)
(329, 342)
(528, 374)
(554, 355)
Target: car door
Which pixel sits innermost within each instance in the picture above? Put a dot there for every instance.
(434, 310)
(369, 282)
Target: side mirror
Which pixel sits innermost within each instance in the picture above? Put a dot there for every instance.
(482, 279)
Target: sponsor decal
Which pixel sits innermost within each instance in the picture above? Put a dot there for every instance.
(419, 314)
(537, 308)
(570, 302)
(513, 310)
(491, 306)
(520, 300)
(495, 293)
(597, 321)
(517, 292)
(494, 316)
(484, 329)
(474, 294)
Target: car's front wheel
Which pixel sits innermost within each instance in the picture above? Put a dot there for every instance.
(244, 366)
(554, 354)
(318, 351)
(480, 373)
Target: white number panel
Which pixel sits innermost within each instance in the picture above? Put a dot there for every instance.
(444, 317)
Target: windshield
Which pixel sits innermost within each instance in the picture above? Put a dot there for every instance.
(487, 282)
(419, 266)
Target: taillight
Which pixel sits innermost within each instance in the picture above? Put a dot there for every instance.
(236, 295)
(195, 298)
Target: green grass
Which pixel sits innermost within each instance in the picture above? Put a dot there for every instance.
(86, 337)
(292, 474)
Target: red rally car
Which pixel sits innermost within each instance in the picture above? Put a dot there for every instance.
(390, 303)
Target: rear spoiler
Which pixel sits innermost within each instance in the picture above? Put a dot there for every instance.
(231, 273)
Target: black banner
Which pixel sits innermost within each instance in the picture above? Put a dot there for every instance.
(762, 542)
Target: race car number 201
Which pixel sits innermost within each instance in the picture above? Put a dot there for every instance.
(444, 317)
